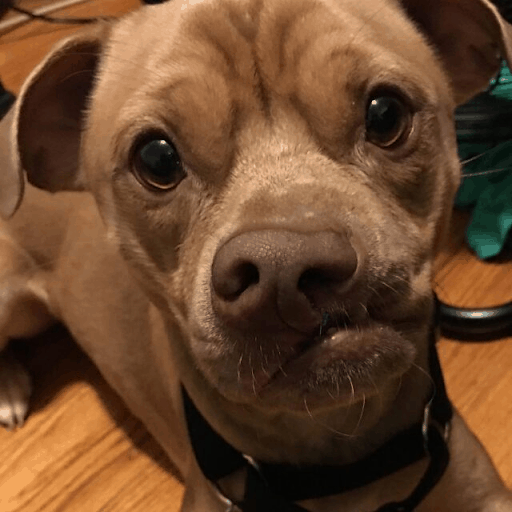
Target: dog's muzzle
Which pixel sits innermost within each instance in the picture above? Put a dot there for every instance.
(277, 487)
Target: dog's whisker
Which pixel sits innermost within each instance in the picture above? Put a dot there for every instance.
(263, 360)
(239, 368)
(352, 388)
(398, 388)
(360, 420)
(277, 355)
(424, 372)
(307, 408)
(485, 173)
(316, 421)
(394, 290)
(281, 369)
(400, 277)
(376, 391)
(475, 157)
(251, 369)
(264, 369)
(365, 309)
(347, 315)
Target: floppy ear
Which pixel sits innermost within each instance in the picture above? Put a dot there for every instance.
(11, 177)
(471, 38)
(49, 115)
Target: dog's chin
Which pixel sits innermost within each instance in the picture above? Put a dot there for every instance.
(340, 368)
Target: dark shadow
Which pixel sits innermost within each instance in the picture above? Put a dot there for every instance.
(55, 361)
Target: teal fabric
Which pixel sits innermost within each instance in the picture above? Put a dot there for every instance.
(489, 196)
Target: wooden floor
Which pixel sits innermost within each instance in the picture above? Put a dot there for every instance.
(82, 451)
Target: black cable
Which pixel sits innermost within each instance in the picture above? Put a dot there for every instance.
(51, 19)
(480, 324)
(9, 5)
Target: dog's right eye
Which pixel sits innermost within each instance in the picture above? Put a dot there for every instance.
(157, 164)
(388, 120)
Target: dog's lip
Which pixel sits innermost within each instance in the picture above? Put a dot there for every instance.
(257, 380)
(376, 346)
(310, 347)
(308, 352)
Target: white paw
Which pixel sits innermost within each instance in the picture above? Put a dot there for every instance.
(15, 391)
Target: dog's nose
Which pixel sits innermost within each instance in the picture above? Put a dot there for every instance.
(269, 279)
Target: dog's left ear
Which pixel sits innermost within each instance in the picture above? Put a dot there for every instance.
(50, 112)
(471, 38)
(11, 178)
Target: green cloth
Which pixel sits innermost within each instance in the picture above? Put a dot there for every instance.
(489, 196)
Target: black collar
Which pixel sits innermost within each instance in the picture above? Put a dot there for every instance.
(276, 487)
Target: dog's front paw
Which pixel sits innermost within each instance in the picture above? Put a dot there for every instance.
(15, 392)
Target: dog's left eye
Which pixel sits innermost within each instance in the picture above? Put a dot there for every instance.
(157, 164)
(388, 121)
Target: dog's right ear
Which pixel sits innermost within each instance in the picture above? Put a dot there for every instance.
(471, 38)
(49, 113)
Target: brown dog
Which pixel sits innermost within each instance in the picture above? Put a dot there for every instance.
(250, 194)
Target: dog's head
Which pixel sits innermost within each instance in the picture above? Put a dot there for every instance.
(278, 174)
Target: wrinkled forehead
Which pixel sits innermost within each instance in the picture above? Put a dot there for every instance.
(217, 60)
(267, 42)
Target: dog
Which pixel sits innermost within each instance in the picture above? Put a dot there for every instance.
(234, 206)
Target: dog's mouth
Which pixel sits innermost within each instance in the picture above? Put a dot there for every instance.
(342, 364)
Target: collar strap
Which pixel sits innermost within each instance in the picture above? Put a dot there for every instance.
(275, 487)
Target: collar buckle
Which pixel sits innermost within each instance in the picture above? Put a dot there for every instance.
(226, 502)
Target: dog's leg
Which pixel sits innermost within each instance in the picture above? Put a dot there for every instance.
(23, 313)
(201, 495)
(15, 391)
